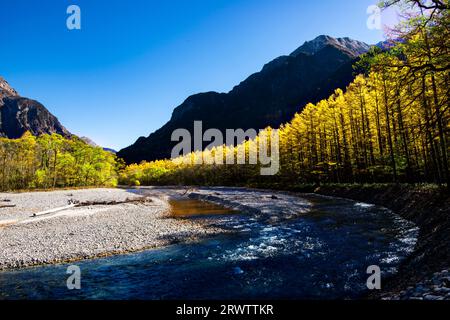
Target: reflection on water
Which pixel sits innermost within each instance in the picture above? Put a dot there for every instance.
(187, 208)
(321, 254)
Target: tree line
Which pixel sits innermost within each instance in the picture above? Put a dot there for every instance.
(390, 125)
(51, 161)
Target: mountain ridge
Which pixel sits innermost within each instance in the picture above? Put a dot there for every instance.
(6, 89)
(354, 47)
(19, 115)
(269, 97)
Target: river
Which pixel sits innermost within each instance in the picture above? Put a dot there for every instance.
(321, 253)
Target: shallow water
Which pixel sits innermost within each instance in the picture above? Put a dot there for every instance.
(321, 254)
(185, 208)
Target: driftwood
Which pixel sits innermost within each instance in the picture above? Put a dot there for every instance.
(113, 203)
(43, 213)
(77, 204)
(7, 206)
(188, 190)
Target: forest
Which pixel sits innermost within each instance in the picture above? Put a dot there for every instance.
(390, 125)
(51, 161)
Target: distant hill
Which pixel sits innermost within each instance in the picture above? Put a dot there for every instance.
(267, 98)
(110, 150)
(93, 144)
(19, 114)
(89, 141)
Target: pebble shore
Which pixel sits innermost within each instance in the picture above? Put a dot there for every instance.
(101, 230)
(86, 232)
(435, 288)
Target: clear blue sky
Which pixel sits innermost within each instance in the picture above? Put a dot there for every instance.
(134, 61)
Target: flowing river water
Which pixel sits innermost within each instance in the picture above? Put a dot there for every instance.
(320, 253)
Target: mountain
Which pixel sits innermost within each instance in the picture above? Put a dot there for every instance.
(110, 150)
(19, 114)
(90, 142)
(267, 98)
(387, 45)
(353, 47)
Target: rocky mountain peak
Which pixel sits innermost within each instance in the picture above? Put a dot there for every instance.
(6, 89)
(353, 47)
(266, 98)
(19, 115)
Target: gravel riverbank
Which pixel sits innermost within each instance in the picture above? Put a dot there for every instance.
(114, 221)
(88, 231)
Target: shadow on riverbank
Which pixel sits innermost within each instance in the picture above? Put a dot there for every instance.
(428, 206)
